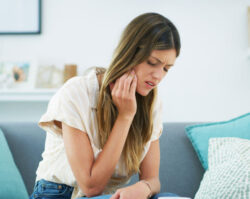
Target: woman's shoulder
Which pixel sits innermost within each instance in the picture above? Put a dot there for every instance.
(74, 82)
(82, 82)
(72, 88)
(79, 89)
(89, 77)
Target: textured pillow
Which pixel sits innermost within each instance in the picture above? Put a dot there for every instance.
(228, 174)
(11, 183)
(200, 134)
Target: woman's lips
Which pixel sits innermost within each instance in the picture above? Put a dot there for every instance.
(148, 85)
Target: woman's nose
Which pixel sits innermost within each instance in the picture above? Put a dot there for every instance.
(158, 74)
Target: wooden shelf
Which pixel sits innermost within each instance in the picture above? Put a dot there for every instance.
(33, 95)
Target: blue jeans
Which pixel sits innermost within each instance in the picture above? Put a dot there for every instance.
(44, 189)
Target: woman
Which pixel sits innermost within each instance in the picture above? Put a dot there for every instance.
(105, 126)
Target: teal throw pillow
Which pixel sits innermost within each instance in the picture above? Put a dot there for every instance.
(200, 134)
(11, 182)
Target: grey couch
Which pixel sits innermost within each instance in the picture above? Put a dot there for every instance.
(180, 172)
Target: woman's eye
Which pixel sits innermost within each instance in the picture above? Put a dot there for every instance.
(154, 64)
(165, 69)
(150, 63)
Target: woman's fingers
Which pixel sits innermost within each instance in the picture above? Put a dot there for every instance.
(123, 79)
(123, 83)
(133, 85)
(115, 85)
(127, 83)
(116, 195)
(123, 94)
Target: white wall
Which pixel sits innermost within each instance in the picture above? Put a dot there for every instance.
(209, 82)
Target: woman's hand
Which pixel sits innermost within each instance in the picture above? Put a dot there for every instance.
(135, 191)
(123, 94)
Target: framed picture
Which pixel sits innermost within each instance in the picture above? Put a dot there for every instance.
(49, 77)
(19, 74)
(20, 17)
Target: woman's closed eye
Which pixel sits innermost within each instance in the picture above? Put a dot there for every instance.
(154, 64)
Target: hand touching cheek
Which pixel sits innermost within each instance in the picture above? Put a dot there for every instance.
(123, 94)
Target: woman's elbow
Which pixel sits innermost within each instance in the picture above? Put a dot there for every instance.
(91, 192)
(91, 189)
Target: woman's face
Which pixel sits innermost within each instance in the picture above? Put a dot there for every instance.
(150, 72)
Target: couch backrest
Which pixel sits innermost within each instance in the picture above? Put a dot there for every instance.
(26, 142)
(180, 172)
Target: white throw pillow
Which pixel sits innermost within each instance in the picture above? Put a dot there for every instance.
(228, 174)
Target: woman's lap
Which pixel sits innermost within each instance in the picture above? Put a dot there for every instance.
(47, 189)
(156, 196)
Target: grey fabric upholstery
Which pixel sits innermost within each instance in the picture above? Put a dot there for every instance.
(180, 172)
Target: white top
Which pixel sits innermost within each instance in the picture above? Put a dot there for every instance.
(75, 105)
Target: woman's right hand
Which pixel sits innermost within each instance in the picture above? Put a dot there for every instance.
(123, 94)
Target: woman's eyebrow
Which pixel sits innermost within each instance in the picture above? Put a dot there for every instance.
(160, 61)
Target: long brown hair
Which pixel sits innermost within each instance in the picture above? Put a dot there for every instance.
(147, 32)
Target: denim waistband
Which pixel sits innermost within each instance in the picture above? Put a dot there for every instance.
(46, 188)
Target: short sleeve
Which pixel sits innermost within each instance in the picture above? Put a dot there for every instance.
(66, 106)
(157, 120)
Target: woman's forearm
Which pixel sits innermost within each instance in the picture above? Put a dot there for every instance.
(104, 166)
(142, 189)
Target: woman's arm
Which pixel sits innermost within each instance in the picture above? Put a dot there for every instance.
(149, 183)
(150, 167)
(92, 175)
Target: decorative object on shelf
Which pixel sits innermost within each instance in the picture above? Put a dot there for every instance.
(70, 70)
(19, 74)
(20, 17)
(49, 77)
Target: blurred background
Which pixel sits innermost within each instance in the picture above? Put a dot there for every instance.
(209, 82)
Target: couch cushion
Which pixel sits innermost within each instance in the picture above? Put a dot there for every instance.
(228, 175)
(11, 182)
(200, 134)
